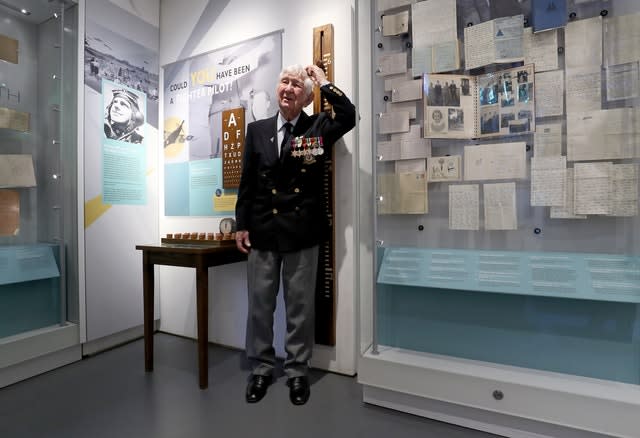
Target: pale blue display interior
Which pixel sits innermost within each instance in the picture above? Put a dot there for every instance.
(554, 274)
(591, 338)
(21, 263)
(29, 288)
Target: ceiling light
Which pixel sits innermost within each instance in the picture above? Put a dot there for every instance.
(23, 11)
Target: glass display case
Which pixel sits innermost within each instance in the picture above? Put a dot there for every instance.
(503, 183)
(38, 180)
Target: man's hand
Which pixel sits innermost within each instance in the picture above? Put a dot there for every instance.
(242, 241)
(317, 75)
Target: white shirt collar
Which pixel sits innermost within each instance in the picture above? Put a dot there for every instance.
(282, 121)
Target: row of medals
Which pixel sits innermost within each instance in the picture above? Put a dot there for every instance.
(306, 147)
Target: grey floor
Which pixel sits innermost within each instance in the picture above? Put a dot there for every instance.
(109, 395)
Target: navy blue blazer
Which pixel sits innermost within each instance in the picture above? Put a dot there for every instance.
(280, 200)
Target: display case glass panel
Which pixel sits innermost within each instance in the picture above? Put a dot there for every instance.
(38, 156)
(506, 225)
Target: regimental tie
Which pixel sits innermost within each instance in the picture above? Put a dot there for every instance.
(288, 127)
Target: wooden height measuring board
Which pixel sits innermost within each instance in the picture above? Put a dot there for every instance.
(326, 281)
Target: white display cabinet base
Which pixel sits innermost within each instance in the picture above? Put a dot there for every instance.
(38, 351)
(533, 404)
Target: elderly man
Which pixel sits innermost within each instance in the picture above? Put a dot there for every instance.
(281, 221)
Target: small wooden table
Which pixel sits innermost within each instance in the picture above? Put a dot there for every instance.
(191, 254)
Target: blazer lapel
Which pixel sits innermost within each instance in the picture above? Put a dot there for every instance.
(271, 136)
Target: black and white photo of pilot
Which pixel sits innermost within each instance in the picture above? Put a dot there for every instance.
(489, 123)
(523, 76)
(489, 94)
(505, 119)
(524, 92)
(465, 87)
(507, 99)
(456, 119)
(123, 119)
(451, 94)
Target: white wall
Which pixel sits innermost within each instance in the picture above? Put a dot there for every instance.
(206, 25)
(113, 267)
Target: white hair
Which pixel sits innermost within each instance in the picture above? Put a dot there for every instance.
(300, 72)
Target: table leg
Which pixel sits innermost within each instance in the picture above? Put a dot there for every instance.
(202, 298)
(147, 281)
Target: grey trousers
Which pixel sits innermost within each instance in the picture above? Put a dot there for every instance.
(298, 270)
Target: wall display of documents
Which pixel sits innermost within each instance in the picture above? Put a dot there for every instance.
(495, 161)
(548, 181)
(404, 149)
(391, 64)
(549, 93)
(393, 122)
(566, 211)
(592, 187)
(541, 49)
(583, 43)
(407, 91)
(493, 42)
(603, 135)
(464, 207)
(492, 104)
(624, 190)
(529, 211)
(395, 24)
(547, 140)
(500, 206)
(403, 193)
(447, 168)
(621, 37)
(434, 32)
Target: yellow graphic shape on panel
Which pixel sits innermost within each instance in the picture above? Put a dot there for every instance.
(175, 135)
(225, 202)
(93, 209)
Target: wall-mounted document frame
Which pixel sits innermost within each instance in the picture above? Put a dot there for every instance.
(8, 49)
(16, 170)
(582, 266)
(9, 212)
(15, 120)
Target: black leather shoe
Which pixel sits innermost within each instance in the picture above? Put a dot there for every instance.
(299, 390)
(257, 388)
